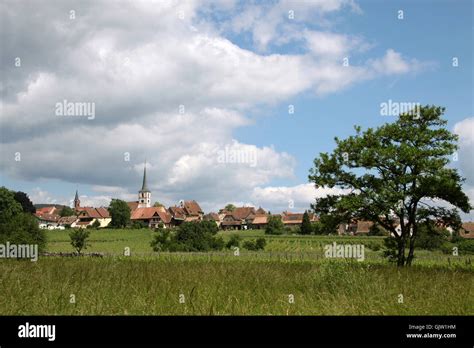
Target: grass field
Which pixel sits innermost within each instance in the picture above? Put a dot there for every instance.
(219, 283)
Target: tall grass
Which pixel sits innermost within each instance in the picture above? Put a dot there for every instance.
(230, 286)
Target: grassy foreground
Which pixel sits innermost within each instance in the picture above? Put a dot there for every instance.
(229, 286)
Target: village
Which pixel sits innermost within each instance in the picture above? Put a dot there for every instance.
(143, 213)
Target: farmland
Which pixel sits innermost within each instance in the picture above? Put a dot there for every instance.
(291, 277)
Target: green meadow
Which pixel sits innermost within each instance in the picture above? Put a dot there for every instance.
(290, 277)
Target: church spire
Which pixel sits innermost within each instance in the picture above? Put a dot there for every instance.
(77, 202)
(144, 185)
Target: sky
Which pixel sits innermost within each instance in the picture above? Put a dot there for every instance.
(226, 101)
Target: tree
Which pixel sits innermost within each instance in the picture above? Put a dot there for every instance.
(79, 239)
(66, 211)
(230, 207)
(120, 213)
(274, 225)
(396, 173)
(158, 204)
(306, 227)
(96, 224)
(9, 206)
(25, 202)
(16, 226)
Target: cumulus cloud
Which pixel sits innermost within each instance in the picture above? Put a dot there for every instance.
(167, 86)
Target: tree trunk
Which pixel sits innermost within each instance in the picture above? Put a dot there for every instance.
(401, 251)
(412, 246)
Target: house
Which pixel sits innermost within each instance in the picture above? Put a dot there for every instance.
(67, 221)
(48, 217)
(152, 216)
(467, 230)
(238, 219)
(212, 217)
(88, 215)
(259, 221)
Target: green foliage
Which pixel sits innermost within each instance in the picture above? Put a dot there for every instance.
(67, 211)
(120, 213)
(25, 202)
(16, 226)
(234, 241)
(389, 172)
(328, 224)
(430, 237)
(137, 225)
(190, 236)
(9, 207)
(96, 224)
(255, 245)
(376, 230)
(306, 227)
(230, 207)
(79, 239)
(158, 204)
(390, 249)
(23, 229)
(274, 225)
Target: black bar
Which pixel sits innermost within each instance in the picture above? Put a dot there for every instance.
(328, 330)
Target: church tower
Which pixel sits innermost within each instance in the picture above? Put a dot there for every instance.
(144, 195)
(77, 202)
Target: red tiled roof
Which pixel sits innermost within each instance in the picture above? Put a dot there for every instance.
(132, 205)
(148, 213)
(242, 212)
(192, 208)
(97, 213)
(177, 213)
(260, 219)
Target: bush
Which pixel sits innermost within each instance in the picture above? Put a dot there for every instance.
(255, 245)
(234, 241)
(430, 237)
(260, 243)
(23, 229)
(79, 239)
(274, 225)
(190, 236)
(96, 224)
(138, 225)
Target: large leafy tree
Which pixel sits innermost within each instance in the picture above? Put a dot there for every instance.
(120, 213)
(25, 202)
(395, 174)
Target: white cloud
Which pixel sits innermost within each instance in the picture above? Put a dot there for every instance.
(139, 62)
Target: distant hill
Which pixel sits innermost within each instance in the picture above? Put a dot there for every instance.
(59, 206)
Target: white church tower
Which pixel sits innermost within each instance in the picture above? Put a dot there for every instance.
(144, 195)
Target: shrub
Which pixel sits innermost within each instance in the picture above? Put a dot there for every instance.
(274, 225)
(430, 237)
(234, 241)
(23, 229)
(96, 224)
(190, 236)
(260, 243)
(254, 245)
(79, 239)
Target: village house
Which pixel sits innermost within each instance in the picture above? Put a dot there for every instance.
(48, 218)
(88, 215)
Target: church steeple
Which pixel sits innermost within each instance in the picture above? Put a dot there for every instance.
(144, 195)
(77, 202)
(144, 185)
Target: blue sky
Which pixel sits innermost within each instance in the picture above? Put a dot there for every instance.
(235, 66)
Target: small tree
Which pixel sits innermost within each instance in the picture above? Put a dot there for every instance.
(79, 239)
(96, 224)
(66, 211)
(158, 204)
(306, 227)
(230, 207)
(274, 225)
(120, 213)
(234, 241)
